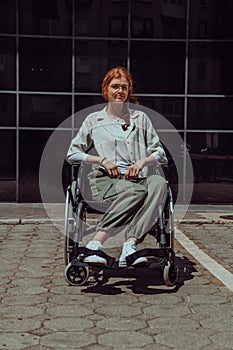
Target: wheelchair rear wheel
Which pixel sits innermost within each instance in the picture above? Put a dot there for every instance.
(69, 222)
(74, 225)
(166, 240)
(169, 221)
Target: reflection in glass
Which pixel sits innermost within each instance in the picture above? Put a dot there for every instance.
(163, 71)
(101, 18)
(44, 110)
(158, 19)
(118, 27)
(211, 19)
(50, 17)
(94, 59)
(7, 110)
(210, 113)
(45, 64)
(211, 143)
(210, 67)
(170, 107)
(7, 63)
(212, 158)
(142, 27)
(7, 16)
(8, 166)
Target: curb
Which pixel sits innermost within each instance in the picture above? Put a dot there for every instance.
(28, 221)
(195, 221)
(204, 221)
(41, 221)
(9, 221)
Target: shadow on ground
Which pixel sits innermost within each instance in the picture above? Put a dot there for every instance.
(139, 280)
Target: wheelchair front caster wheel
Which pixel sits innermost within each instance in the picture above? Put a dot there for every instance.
(170, 274)
(76, 275)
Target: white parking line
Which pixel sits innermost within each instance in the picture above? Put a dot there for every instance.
(222, 274)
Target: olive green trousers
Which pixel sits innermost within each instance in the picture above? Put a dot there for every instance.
(133, 205)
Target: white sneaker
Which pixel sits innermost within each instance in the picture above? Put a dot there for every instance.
(128, 249)
(95, 259)
(94, 245)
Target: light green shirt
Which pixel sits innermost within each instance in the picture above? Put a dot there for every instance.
(141, 139)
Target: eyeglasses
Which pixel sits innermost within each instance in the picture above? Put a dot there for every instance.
(118, 87)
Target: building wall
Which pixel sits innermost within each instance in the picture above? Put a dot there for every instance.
(54, 53)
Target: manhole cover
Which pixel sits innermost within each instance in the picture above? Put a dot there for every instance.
(226, 217)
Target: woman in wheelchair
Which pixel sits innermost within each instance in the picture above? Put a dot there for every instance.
(126, 145)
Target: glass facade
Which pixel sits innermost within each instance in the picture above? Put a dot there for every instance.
(54, 54)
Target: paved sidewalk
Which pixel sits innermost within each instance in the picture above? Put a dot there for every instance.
(131, 310)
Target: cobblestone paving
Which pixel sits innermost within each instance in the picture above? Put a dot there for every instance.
(215, 239)
(131, 311)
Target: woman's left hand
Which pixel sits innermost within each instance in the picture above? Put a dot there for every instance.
(133, 170)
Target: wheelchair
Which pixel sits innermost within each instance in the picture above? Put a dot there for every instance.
(77, 272)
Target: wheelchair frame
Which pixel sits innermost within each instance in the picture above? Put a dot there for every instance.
(77, 272)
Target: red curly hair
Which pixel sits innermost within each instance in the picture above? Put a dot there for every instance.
(116, 73)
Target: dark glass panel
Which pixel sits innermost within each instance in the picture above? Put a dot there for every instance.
(31, 147)
(158, 67)
(32, 144)
(94, 59)
(211, 19)
(45, 64)
(170, 107)
(82, 102)
(101, 18)
(7, 110)
(210, 68)
(7, 16)
(45, 17)
(44, 110)
(85, 105)
(212, 158)
(211, 143)
(210, 113)
(158, 19)
(173, 172)
(8, 166)
(7, 63)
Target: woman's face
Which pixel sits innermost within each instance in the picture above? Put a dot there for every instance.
(118, 90)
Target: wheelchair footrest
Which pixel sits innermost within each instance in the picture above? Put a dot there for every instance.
(75, 262)
(159, 263)
(159, 255)
(83, 252)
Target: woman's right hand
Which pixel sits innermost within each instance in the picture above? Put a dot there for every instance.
(112, 169)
